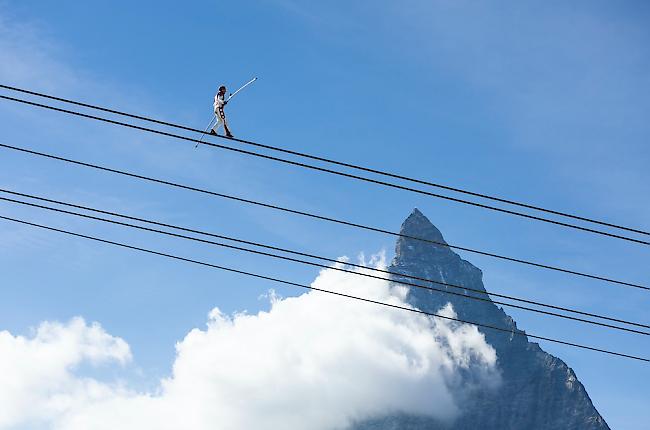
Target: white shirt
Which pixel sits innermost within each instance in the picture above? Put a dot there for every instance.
(219, 101)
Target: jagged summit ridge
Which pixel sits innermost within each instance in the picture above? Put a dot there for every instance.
(418, 225)
(422, 244)
(423, 251)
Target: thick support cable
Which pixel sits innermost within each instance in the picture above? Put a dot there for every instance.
(334, 162)
(334, 172)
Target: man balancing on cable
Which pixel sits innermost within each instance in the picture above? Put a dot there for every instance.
(219, 103)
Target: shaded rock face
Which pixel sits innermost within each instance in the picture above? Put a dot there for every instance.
(538, 392)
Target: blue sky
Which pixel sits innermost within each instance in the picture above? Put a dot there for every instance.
(544, 102)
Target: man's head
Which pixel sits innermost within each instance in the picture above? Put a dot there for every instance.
(222, 89)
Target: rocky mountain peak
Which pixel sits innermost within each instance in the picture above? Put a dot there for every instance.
(418, 225)
(432, 249)
(539, 391)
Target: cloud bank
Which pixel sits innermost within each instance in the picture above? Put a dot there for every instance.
(36, 378)
(313, 361)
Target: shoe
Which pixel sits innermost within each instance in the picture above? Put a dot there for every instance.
(213, 132)
(229, 135)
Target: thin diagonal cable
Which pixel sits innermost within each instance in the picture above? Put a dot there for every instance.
(302, 254)
(348, 296)
(314, 216)
(334, 162)
(310, 263)
(333, 172)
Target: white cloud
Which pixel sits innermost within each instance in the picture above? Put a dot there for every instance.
(37, 382)
(314, 361)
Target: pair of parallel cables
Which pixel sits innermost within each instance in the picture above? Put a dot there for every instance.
(337, 163)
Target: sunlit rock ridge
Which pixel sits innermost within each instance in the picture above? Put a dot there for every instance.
(538, 391)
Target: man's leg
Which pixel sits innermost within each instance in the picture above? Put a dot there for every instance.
(222, 118)
(225, 126)
(215, 128)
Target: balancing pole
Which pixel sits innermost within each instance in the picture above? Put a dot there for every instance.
(206, 130)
